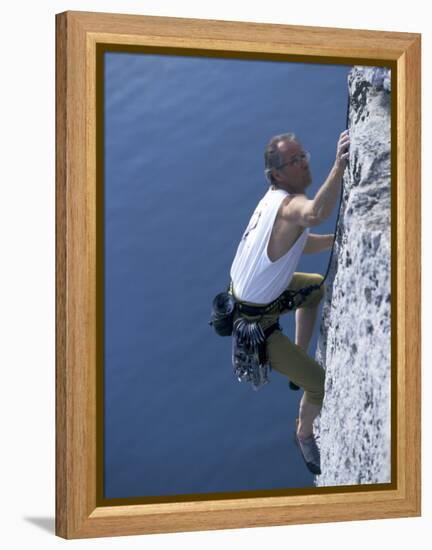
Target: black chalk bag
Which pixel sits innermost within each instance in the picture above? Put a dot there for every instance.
(222, 314)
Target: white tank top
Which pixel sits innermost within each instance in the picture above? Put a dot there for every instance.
(254, 276)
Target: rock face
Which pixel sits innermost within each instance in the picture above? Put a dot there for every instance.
(354, 345)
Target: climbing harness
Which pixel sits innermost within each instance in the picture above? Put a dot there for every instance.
(249, 357)
(225, 306)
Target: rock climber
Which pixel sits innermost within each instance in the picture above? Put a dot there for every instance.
(277, 234)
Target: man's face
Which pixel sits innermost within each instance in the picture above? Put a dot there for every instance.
(294, 173)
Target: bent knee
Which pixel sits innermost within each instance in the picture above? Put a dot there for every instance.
(318, 279)
(317, 295)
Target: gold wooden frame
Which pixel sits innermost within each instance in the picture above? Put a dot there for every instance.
(78, 510)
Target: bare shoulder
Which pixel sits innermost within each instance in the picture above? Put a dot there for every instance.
(293, 205)
(298, 209)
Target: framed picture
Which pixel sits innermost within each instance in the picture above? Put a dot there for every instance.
(260, 180)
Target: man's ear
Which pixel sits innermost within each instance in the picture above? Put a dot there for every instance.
(276, 175)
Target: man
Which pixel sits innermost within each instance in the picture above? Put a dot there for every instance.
(264, 266)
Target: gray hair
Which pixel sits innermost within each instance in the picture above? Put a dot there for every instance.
(272, 155)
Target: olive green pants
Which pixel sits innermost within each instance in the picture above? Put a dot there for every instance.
(287, 357)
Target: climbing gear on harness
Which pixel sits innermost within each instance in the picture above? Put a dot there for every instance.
(249, 339)
(249, 357)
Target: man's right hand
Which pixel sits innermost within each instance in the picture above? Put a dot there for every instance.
(342, 150)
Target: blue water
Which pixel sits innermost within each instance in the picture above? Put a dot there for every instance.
(184, 142)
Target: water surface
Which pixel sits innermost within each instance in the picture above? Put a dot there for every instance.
(184, 142)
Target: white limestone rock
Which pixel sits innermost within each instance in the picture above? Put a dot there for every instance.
(354, 345)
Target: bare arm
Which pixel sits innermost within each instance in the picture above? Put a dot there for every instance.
(317, 243)
(308, 213)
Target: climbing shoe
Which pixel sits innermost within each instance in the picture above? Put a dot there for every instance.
(309, 451)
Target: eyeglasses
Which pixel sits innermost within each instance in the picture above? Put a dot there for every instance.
(297, 159)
